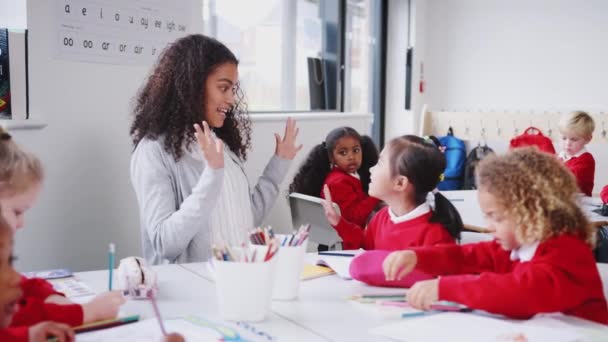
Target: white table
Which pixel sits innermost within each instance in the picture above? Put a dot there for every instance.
(468, 206)
(182, 293)
(321, 313)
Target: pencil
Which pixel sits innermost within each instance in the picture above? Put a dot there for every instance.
(157, 313)
(111, 252)
(106, 324)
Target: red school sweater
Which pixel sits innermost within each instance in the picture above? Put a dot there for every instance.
(347, 192)
(382, 233)
(561, 277)
(33, 310)
(583, 168)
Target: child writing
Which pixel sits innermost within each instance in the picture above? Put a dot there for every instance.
(10, 293)
(21, 178)
(409, 169)
(577, 130)
(541, 259)
(341, 163)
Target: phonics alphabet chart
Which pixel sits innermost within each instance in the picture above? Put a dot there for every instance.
(118, 31)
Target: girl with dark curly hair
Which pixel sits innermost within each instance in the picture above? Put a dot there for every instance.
(342, 163)
(189, 180)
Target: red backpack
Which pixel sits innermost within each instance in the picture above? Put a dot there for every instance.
(533, 136)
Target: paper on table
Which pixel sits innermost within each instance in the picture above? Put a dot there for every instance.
(340, 264)
(191, 328)
(315, 271)
(72, 287)
(471, 327)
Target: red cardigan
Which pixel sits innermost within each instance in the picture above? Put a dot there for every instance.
(382, 233)
(604, 194)
(561, 277)
(33, 310)
(347, 191)
(583, 168)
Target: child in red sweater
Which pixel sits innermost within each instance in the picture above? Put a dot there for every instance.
(604, 194)
(541, 260)
(409, 169)
(10, 293)
(577, 130)
(342, 163)
(20, 182)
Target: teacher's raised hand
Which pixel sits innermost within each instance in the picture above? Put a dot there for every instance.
(286, 146)
(213, 149)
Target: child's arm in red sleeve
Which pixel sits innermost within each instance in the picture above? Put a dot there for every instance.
(34, 310)
(350, 206)
(367, 267)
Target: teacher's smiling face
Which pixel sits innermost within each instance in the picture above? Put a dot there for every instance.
(219, 93)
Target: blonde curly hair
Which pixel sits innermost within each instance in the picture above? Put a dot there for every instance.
(19, 170)
(538, 192)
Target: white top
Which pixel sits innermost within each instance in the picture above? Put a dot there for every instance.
(524, 253)
(563, 156)
(185, 206)
(418, 211)
(232, 218)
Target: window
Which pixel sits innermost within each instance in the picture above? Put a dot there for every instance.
(272, 40)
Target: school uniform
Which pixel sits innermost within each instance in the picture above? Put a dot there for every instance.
(33, 310)
(582, 165)
(556, 275)
(604, 194)
(347, 192)
(391, 232)
(186, 207)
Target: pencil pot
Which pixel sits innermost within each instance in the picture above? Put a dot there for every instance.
(290, 262)
(244, 289)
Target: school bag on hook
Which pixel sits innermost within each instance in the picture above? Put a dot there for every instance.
(533, 136)
(474, 157)
(455, 157)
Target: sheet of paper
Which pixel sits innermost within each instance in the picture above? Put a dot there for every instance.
(461, 327)
(72, 287)
(191, 328)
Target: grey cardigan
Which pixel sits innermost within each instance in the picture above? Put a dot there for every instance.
(175, 199)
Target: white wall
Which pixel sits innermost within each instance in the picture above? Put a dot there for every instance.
(398, 120)
(542, 55)
(87, 200)
(521, 54)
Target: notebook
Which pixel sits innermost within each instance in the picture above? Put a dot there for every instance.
(315, 271)
(339, 261)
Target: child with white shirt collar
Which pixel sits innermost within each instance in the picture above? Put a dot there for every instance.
(409, 168)
(576, 129)
(541, 260)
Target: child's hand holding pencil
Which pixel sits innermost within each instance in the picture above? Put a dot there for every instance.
(51, 331)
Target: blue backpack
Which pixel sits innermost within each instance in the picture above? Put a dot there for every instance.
(455, 157)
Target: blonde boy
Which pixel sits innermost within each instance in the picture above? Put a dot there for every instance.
(577, 130)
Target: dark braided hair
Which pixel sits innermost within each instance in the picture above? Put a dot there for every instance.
(313, 171)
(423, 163)
(173, 98)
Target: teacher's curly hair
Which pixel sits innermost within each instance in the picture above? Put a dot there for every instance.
(173, 98)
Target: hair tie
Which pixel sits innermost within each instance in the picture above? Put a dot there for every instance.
(323, 144)
(5, 136)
